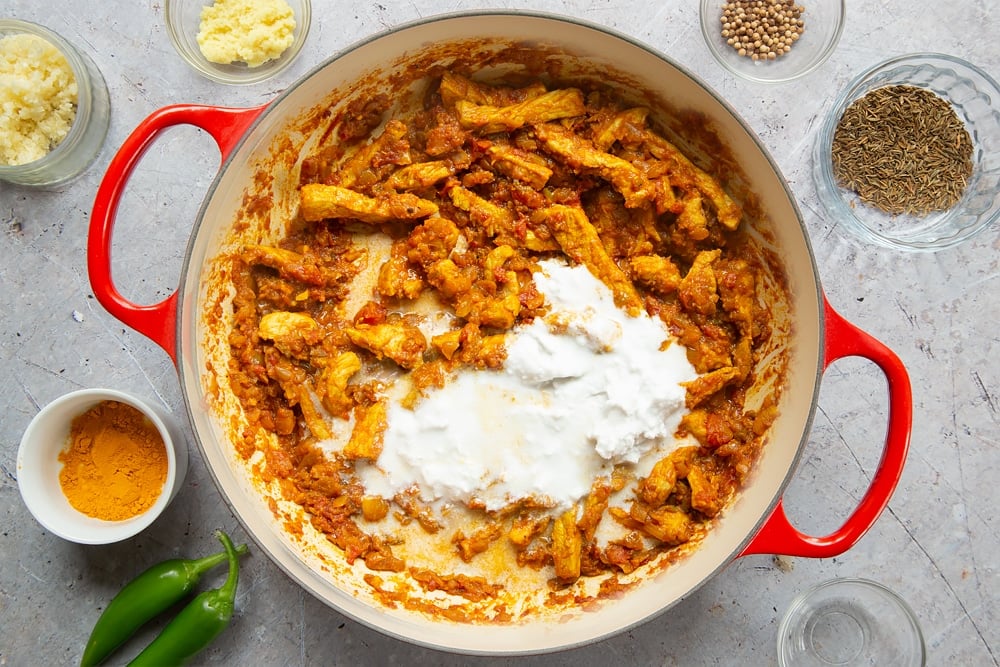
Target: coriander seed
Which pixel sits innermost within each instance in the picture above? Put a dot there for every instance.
(762, 29)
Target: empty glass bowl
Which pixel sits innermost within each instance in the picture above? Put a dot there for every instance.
(848, 623)
(824, 23)
(975, 98)
(183, 18)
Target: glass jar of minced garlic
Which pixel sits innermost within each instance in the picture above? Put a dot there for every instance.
(63, 102)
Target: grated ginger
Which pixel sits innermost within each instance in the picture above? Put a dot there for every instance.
(249, 31)
(38, 97)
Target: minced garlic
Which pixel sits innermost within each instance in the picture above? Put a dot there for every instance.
(249, 31)
(38, 96)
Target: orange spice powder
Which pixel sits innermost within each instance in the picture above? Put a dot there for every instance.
(116, 463)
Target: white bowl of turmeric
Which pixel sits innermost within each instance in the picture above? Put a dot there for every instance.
(98, 466)
(238, 41)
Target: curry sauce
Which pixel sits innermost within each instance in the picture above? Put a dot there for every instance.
(412, 261)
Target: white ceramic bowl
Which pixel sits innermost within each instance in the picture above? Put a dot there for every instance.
(183, 19)
(824, 23)
(38, 468)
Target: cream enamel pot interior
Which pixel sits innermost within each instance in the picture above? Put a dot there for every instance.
(755, 523)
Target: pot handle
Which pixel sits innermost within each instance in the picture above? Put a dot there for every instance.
(156, 321)
(778, 535)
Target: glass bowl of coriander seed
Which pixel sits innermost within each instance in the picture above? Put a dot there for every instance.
(909, 155)
(772, 41)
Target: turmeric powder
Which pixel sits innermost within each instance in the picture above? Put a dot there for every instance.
(115, 465)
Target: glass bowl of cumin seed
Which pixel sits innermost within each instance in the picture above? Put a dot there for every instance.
(909, 155)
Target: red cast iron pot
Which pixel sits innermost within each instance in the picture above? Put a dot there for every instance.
(247, 138)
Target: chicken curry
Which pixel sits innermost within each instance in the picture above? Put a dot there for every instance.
(442, 215)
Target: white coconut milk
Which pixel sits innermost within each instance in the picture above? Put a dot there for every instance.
(582, 390)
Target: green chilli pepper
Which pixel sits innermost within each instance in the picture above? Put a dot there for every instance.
(198, 623)
(152, 592)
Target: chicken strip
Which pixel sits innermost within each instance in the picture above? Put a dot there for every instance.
(567, 543)
(630, 127)
(702, 387)
(655, 272)
(290, 265)
(687, 174)
(390, 147)
(293, 334)
(579, 240)
(455, 87)
(581, 155)
(698, 289)
(494, 219)
(334, 377)
(320, 202)
(420, 175)
(520, 165)
(396, 277)
(553, 105)
(401, 342)
(369, 432)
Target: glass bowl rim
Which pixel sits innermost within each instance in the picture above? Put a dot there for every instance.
(90, 83)
(213, 72)
(828, 191)
(821, 57)
(795, 609)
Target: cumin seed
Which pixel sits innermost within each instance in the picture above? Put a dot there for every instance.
(903, 149)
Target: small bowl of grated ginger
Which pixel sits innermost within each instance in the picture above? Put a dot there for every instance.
(97, 466)
(238, 41)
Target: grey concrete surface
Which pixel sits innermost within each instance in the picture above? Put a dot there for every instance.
(937, 545)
